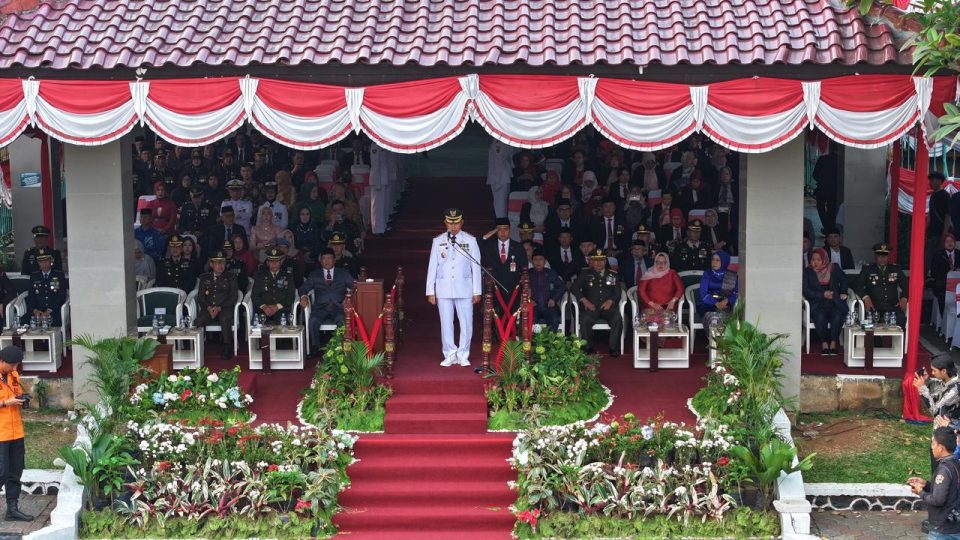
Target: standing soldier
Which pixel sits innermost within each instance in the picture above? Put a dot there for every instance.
(883, 286)
(454, 285)
(693, 253)
(216, 296)
(47, 292)
(598, 293)
(273, 291)
(41, 236)
(176, 270)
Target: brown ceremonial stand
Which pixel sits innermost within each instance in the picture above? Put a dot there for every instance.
(368, 303)
(161, 362)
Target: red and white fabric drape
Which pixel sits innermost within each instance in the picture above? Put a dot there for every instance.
(530, 111)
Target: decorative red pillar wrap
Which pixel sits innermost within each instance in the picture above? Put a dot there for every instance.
(911, 398)
(894, 201)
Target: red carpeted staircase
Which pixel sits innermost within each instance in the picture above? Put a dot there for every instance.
(435, 473)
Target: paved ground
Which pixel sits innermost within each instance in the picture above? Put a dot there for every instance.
(37, 505)
(868, 525)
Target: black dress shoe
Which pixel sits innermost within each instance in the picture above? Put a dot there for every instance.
(925, 526)
(14, 513)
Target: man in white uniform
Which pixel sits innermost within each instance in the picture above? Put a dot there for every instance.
(499, 173)
(454, 285)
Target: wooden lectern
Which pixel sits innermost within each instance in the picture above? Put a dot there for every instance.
(368, 303)
(161, 362)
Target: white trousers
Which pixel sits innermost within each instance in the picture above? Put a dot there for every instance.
(501, 196)
(464, 312)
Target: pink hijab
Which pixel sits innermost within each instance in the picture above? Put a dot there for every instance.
(653, 273)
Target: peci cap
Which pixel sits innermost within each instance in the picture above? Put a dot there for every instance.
(274, 254)
(326, 251)
(695, 225)
(218, 256)
(565, 230)
(227, 209)
(563, 202)
(337, 238)
(598, 255)
(538, 252)
(43, 255)
(831, 230)
(452, 215)
(175, 240)
(40, 230)
(11, 354)
(882, 248)
(501, 221)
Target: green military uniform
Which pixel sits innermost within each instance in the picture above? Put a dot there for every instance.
(347, 262)
(217, 291)
(884, 285)
(687, 255)
(273, 289)
(179, 273)
(597, 288)
(236, 267)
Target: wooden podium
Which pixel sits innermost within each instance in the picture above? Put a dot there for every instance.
(368, 303)
(161, 362)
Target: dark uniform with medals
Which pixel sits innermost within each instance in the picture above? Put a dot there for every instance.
(29, 264)
(179, 273)
(218, 291)
(347, 262)
(236, 267)
(687, 256)
(597, 288)
(48, 291)
(273, 290)
(884, 285)
(196, 217)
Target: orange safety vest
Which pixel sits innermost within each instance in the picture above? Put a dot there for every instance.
(11, 425)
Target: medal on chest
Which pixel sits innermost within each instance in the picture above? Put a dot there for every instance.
(610, 280)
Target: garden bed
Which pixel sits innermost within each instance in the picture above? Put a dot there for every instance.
(44, 434)
(863, 448)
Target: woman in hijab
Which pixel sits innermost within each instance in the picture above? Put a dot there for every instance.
(825, 288)
(711, 230)
(649, 174)
(660, 287)
(312, 196)
(719, 288)
(306, 234)
(143, 265)
(286, 193)
(263, 233)
(535, 210)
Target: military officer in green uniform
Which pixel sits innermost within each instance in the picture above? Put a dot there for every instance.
(598, 293)
(693, 253)
(288, 267)
(236, 267)
(883, 286)
(216, 296)
(273, 291)
(176, 270)
(41, 235)
(342, 259)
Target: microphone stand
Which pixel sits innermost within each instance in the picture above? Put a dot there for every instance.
(452, 240)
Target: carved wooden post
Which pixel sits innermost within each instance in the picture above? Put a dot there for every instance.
(399, 283)
(348, 315)
(388, 336)
(362, 276)
(487, 323)
(525, 314)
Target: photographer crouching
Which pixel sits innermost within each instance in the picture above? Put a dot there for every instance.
(941, 495)
(12, 398)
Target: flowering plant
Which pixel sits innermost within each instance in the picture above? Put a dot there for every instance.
(193, 394)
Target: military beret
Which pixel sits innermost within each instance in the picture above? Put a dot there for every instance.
(218, 256)
(337, 238)
(175, 240)
(452, 215)
(40, 230)
(502, 221)
(43, 255)
(274, 254)
(882, 248)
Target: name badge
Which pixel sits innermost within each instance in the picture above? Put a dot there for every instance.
(160, 311)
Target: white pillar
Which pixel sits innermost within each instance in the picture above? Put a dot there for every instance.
(27, 201)
(100, 221)
(864, 207)
(771, 232)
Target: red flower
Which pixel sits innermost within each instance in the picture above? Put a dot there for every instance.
(723, 461)
(301, 505)
(163, 466)
(272, 467)
(186, 393)
(529, 516)
(232, 431)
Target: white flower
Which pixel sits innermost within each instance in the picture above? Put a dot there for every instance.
(213, 377)
(647, 432)
(186, 377)
(172, 378)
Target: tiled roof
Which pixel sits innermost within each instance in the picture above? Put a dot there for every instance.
(133, 33)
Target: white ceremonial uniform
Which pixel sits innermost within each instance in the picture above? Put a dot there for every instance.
(242, 210)
(454, 279)
(499, 173)
(380, 205)
(280, 216)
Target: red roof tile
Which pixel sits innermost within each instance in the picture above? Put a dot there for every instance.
(134, 33)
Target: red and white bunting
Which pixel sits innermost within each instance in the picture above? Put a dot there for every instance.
(529, 111)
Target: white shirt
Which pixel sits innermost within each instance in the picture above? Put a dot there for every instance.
(835, 256)
(243, 210)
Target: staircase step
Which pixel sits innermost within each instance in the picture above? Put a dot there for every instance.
(384, 472)
(427, 518)
(388, 444)
(428, 493)
(451, 534)
(472, 386)
(437, 403)
(436, 423)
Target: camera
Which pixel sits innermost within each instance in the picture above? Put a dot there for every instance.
(26, 400)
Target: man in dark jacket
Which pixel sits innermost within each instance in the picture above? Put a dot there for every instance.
(839, 254)
(941, 495)
(546, 290)
(506, 260)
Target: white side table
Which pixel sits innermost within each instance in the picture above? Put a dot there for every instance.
(187, 347)
(279, 359)
(666, 358)
(883, 357)
(34, 360)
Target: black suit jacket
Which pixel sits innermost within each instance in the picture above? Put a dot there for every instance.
(598, 232)
(490, 257)
(552, 225)
(846, 257)
(628, 269)
(215, 237)
(567, 271)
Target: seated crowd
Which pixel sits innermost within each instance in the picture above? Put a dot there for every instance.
(251, 217)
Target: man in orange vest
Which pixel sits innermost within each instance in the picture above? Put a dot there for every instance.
(11, 431)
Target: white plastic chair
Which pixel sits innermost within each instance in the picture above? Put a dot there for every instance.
(192, 308)
(690, 294)
(15, 309)
(808, 324)
(634, 300)
(601, 324)
(302, 316)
